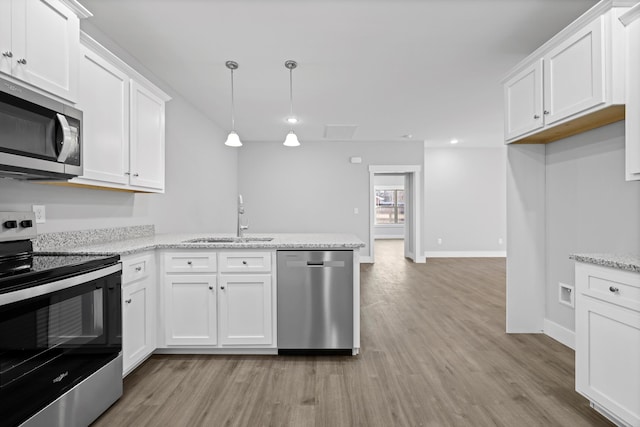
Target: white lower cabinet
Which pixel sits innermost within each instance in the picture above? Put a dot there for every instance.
(218, 300)
(138, 310)
(190, 310)
(245, 309)
(608, 341)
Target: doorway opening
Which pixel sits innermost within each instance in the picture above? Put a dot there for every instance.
(395, 201)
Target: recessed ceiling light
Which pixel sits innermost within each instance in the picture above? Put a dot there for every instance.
(407, 136)
(454, 141)
(292, 120)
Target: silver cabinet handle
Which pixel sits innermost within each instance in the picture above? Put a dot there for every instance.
(546, 112)
(22, 61)
(135, 174)
(128, 301)
(127, 173)
(614, 289)
(244, 262)
(536, 116)
(138, 268)
(7, 54)
(211, 287)
(222, 287)
(189, 262)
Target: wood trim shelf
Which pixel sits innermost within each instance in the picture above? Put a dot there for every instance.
(605, 116)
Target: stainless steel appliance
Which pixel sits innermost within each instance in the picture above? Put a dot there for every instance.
(60, 331)
(315, 302)
(40, 138)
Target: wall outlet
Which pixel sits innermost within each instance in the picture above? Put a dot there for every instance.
(565, 294)
(439, 241)
(356, 211)
(40, 212)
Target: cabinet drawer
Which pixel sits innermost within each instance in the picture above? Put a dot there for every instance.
(245, 262)
(190, 262)
(609, 285)
(137, 268)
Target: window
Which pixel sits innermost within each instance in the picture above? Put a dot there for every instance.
(389, 206)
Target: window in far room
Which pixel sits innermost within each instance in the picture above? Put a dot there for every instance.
(389, 205)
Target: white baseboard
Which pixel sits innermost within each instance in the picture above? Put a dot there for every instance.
(366, 260)
(560, 333)
(465, 254)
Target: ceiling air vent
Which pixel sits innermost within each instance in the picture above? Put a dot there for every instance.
(339, 131)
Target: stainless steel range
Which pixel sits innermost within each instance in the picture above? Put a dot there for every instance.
(60, 331)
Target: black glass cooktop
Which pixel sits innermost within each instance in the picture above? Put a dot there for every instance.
(21, 268)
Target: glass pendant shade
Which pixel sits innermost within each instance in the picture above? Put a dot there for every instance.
(291, 140)
(233, 140)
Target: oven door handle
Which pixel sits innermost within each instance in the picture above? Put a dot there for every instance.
(68, 142)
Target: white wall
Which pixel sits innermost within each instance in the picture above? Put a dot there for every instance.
(589, 207)
(388, 231)
(465, 201)
(314, 188)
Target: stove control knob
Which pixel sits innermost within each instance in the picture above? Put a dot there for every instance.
(10, 224)
(26, 223)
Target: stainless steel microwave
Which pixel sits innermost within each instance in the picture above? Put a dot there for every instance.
(40, 138)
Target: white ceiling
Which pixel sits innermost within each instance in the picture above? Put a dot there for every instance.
(429, 68)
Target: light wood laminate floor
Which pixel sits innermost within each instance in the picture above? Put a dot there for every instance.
(434, 353)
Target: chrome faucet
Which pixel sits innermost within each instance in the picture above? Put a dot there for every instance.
(241, 227)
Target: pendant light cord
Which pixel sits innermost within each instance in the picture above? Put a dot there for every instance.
(291, 95)
(233, 106)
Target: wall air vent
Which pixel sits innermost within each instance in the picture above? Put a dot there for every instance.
(339, 131)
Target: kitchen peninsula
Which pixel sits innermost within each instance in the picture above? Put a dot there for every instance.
(198, 292)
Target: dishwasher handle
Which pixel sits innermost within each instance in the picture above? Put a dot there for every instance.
(315, 264)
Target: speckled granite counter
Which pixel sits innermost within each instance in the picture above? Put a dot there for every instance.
(628, 262)
(178, 241)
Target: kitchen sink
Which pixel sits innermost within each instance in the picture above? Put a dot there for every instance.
(229, 240)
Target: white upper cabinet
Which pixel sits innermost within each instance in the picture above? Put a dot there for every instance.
(523, 101)
(631, 20)
(573, 83)
(104, 100)
(147, 138)
(574, 74)
(123, 124)
(39, 41)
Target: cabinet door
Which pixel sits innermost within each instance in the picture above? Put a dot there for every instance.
(245, 309)
(190, 310)
(523, 102)
(632, 125)
(147, 138)
(5, 37)
(607, 357)
(104, 99)
(574, 74)
(138, 323)
(45, 44)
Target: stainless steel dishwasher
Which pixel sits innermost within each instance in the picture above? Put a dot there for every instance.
(315, 302)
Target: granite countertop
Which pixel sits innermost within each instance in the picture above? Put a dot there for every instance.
(178, 241)
(628, 262)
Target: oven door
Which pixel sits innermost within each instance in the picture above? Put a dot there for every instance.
(54, 336)
(37, 136)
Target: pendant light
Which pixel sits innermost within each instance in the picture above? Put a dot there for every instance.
(292, 139)
(233, 140)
